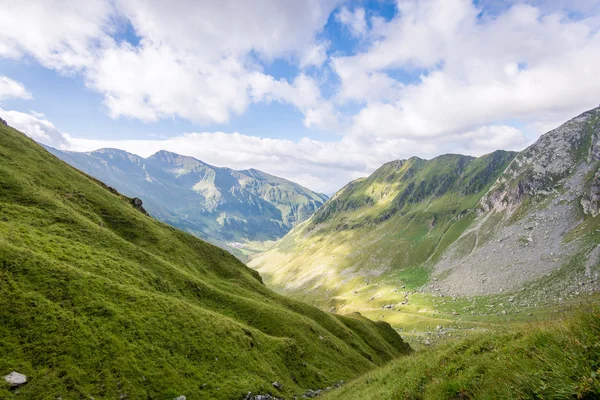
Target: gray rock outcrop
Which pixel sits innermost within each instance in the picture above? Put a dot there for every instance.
(15, 379)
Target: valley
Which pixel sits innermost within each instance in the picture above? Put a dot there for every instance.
(299, 199)
(454, 241)
(415, 265)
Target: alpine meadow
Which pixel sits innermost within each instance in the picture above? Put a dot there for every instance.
(285, 200)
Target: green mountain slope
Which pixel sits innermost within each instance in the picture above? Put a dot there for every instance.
(523, 228)
(232, 209)
(382, 228)
(99, 300)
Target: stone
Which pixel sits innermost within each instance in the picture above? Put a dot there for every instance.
(15, 379)
(180, 398)
(137, 204)
(277, 385)
(3, 122)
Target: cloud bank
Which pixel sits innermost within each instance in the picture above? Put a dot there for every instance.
(439, 76)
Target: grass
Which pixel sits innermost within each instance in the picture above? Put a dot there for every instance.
(549, 360)
(99, 300)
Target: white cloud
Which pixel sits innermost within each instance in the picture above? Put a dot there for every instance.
(10, 89)
(37, 128)
(469, 71)
(354, 20)
(59, 34)
(314, 55)
(441, 76)
(194, 59)
(303, 93)
(154, 81)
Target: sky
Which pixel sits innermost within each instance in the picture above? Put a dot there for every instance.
(317, 91)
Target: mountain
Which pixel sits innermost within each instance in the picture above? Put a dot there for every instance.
(232, 209)
(99, 300)
(454, 225)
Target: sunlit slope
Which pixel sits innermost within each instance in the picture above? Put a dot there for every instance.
(99, 300)
(387, 227)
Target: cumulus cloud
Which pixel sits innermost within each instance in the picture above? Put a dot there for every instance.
(10, 89)
(472, 70)
(59, 34)
(194, 60)
(354, 20)
(35, 127)
(303, 93)
(440, 76)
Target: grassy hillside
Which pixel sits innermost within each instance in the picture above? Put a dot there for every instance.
(552, 360)
(99, 300)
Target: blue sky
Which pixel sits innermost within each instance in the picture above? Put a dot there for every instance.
(320, 92)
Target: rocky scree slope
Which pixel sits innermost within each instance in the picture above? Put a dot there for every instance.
(227, 207)
(539, 216)
(455, 225)
(99, 300)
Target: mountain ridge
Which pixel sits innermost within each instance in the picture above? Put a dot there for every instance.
(453, 225)
(233, 209)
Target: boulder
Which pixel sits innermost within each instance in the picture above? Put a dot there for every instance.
(15, 379)
(277, 385)
(137, 204)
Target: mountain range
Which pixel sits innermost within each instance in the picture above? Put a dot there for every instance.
(488, 267)
(454, 225)
(236, 210)
(100, 300)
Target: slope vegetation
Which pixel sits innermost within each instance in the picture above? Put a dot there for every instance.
(386, 227)
(553, 360)
(97, 299)
(236, 210)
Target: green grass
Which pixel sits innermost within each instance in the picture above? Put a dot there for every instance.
(99, 300)
(550, 360)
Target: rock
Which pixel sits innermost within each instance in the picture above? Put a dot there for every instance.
(179, 398)
(3, 122)
(137, 204)
(590, 202)
(277, 385)
(15, 379)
